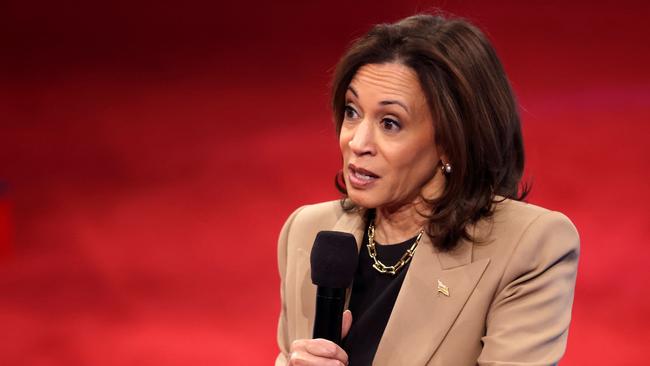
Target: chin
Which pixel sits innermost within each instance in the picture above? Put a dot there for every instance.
(363, 199)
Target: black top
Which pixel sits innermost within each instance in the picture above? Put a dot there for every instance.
(372, 300)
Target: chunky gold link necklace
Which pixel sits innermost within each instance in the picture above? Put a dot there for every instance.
(382, 268)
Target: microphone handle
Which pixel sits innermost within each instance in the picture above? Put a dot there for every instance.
(330, 303)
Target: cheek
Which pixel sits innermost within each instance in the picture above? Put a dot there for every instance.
(416, 165)
(426, 166)
(344, 140)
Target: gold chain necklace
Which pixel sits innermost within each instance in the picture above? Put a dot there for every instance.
(382, 268)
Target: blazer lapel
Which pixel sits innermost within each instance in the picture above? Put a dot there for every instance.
(422, 314)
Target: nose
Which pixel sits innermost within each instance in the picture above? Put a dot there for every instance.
(362, 141)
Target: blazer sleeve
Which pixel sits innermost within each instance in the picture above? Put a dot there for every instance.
(283, 336)
(528, 320)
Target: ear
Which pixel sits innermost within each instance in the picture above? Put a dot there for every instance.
(442, 155)
(444, 160)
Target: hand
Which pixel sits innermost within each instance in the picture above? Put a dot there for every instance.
(321, 351)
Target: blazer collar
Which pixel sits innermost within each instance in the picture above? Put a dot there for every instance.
(422, 314)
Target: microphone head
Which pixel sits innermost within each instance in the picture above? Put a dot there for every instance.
(334, 259)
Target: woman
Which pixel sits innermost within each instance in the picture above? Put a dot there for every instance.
(453, 268)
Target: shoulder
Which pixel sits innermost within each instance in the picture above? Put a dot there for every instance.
(519, 220)
(321, 214)
(303, 224)
(522, 214)
(523, 234)
(525, 242)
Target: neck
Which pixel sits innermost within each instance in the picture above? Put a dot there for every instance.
(402, 222)
(395, 225)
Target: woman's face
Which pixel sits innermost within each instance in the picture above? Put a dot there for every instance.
(387, 138)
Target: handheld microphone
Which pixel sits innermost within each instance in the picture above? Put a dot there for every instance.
(334, 259)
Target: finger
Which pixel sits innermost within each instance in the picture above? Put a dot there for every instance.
(326, 349)
(298, 345)
(305, 358)
(347, 323)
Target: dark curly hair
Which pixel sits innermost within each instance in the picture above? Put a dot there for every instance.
(473, 107)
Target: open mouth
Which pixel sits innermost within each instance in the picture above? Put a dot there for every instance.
(361, 177)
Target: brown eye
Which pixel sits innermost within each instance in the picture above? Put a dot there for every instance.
(390, 125)
(350, 112)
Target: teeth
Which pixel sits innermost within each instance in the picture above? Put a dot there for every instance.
(363, 176)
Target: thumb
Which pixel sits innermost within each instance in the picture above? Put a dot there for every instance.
(347, 323)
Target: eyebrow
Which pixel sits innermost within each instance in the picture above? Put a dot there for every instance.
(383, 102)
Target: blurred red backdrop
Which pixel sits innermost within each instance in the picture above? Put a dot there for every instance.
(152, 150)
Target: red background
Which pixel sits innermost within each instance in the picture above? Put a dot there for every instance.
(152, 150)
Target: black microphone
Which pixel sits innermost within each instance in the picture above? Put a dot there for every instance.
(333, 260)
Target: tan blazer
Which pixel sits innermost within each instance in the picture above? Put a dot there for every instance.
(509, 297)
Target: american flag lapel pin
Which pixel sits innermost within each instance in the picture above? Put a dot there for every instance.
(443, 289)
